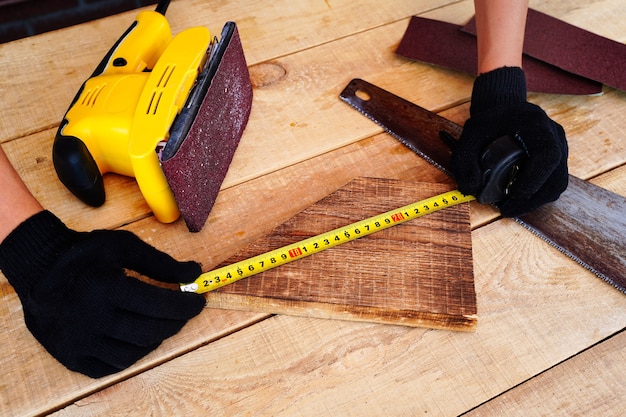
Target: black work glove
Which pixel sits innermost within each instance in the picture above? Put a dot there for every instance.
(499, 108)
(79, 303)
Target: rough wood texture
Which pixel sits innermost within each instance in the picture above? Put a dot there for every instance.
(601, 367)
(589, 224)
(539, 310)
(417, 273)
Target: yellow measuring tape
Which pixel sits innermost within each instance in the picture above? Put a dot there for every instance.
(231, 273)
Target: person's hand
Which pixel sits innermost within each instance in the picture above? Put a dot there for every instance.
(80, 304)
(499, 108)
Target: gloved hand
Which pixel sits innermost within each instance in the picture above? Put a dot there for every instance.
(498, 108)
(79, 303)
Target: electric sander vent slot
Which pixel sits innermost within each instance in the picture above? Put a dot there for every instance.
(153, 107)
(165, 77)
(91, 96)
(159, 89)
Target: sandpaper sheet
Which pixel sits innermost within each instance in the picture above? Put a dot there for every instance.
(419, 273)
(573, 49)
(197, 170)
(445, 44)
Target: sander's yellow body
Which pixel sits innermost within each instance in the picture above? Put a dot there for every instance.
(147, 87)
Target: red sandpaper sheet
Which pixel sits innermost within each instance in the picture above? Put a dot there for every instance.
(572, 49)
(196, 172)
(444, 44)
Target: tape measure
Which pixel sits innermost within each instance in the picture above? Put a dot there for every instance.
(231, 273)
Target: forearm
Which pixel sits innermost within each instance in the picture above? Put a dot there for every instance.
(16, 202)
(500, 26)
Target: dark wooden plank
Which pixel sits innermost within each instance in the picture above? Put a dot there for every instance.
(418, 273)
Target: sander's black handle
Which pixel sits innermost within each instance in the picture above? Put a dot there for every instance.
(162, 6)
(77, 169)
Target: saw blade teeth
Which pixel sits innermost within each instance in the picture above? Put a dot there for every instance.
(573, 257)
(399, 138)
(420, 154)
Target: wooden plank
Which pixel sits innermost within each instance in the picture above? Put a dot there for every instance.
(596, 135)
(34, 383)
(233, 224)
(595, 129)
(37, 86)
(612, 180)
(593, 123)
(536, 307)
(363, 369)
(300, 105)
(292, 127)
(351, 364)
(518, 336)
(378, 156)
(417, 273)
(591, 383)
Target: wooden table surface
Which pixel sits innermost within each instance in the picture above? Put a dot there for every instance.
(550, 338)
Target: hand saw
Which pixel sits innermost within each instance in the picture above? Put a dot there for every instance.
(587, 223)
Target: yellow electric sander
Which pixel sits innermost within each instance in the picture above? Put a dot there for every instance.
(166, 110)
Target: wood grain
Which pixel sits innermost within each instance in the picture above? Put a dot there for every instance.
(417, 273)
(233, 224)
(298, 108)
(538, 309)
(588, 223)
(533, 315)
(302, 109)
(38, 86)
(597, 374)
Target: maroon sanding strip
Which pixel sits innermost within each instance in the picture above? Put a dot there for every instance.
(444, 44)
(572, 49)
(196, 172)
(439, 43)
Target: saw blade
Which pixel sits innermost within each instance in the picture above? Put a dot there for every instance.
(587, 223)
(384, 109)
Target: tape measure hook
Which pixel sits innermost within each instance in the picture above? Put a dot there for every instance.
(192, 287)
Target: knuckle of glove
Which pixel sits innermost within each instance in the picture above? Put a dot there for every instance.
(114, 241)
(477, 134)
(547, 151)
